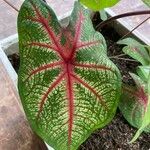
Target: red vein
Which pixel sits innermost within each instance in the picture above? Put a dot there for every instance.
(44, 67)
(91, 89)
(44, 98)
(46, 46)
(70, 103)
(142, 97)
(45, 24)
(92, 66)
(43, 45)
(87, 44)
(77, 34)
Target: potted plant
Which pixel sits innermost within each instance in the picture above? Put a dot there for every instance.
(67, 84)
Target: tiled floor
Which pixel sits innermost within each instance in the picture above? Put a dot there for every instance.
(15, 132)
(8, 16)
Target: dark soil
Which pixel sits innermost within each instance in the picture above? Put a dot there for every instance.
(117, 134)
(14, 59)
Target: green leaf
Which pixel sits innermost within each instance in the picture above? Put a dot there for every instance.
(148, 48)
(143, 72)
(147, 2)
(135, 50)
(135, 107)
(139, 82)
(97, 5)
(145, 125)
(149, 85)
(103, 15)
(67, 84)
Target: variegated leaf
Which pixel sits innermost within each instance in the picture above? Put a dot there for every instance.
(135, 106)
(67, 84)
(135, 50)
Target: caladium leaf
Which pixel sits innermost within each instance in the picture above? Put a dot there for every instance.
(145, 125)
(99, 4)
(135, 107)
(67, 84)
(135, 50)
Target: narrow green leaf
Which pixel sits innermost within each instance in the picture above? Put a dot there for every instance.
(67, 84)
(97, 5)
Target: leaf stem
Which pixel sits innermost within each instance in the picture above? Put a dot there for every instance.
(122, 16)
(125, 59)
(116, 56)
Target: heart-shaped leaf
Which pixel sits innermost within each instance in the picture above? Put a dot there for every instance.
(67, 84)
(98, 4)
